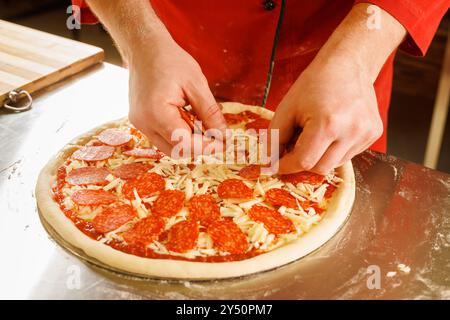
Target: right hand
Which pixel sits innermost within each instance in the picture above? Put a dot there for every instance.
(164, 77)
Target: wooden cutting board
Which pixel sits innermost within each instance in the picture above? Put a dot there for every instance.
(31, 60)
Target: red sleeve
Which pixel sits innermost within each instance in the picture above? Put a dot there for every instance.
(86, 15)
(419, 17)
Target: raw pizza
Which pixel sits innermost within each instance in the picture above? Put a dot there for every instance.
(129, 207)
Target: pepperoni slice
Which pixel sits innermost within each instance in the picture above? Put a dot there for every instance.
(93, 153)
(114, 137)
(88, 197)
(113, 217)
(250, 172)
(258, 124)
(235, 189)
(234, 118)
(329, 192)
(149, 153)
(227, 237)
(131, 170)
(317, 208)
(146, 185)
(244, 116)
(183, 236)
(169, 203)
(302, 176)
(191, 119)
(203, 208)
(87, 175)
(307, 204)
(136, 132)
(273, 221)
(145, 231)
(279, 197)
(250, 115)
(187, 117)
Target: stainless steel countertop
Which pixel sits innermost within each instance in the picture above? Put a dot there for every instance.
(401, 216)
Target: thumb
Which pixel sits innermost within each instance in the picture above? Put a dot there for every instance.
(282, 129)
(205, 106)
(308, 150)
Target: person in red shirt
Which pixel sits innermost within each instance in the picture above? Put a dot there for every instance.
(324, 66)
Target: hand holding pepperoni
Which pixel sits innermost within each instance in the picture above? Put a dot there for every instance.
(333, 99)
(164, 78)
(336, 106)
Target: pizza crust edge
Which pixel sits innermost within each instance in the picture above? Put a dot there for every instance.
(339, 208)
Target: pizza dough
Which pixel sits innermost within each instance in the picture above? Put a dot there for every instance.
(339, 207)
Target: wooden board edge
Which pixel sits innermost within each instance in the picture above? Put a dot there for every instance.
(60, 74)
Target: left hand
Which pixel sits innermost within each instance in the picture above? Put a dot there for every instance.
(335, 105)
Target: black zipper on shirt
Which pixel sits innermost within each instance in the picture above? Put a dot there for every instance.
(272, 57)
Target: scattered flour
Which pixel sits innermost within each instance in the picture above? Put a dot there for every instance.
(391, 274)
(403, 268)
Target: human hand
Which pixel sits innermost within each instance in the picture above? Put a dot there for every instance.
(334, 100)
(336, 107)
(163, 78)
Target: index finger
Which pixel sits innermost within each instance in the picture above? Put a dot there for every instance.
(173, 122)
(309, 149)
(205, 106)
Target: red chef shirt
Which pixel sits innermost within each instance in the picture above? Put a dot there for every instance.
(236, 41)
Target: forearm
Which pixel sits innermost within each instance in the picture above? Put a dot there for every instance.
(357, 43)
(132, 24)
